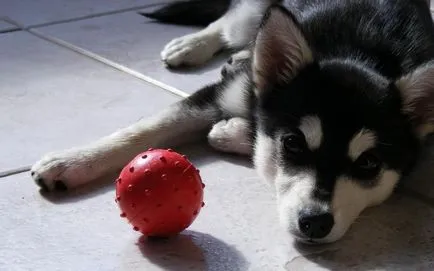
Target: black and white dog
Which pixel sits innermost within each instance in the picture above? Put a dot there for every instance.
(333, 99)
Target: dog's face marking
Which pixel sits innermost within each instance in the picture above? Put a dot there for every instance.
(332, 136)
(328, 159)
(232, 99)
(264, 158)
(310, 126)
(361, 142)
(350, 198)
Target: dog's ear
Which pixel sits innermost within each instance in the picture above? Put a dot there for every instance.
(417, 91)
(280, 51)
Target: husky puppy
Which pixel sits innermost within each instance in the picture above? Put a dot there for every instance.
(333, 99)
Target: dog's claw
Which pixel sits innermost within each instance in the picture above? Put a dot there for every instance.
(166, 64)
(40, 182)
(60, 186)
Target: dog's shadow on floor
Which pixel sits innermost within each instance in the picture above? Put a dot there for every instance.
(192, 251)
(398, 235)
(199, 154)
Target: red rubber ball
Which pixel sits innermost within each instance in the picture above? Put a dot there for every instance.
(160, 193)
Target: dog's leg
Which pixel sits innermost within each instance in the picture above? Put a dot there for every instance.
(182, 122)
(232, 136)
(236, 29)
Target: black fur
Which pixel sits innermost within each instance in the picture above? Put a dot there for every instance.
(392, 37)
(191, 12)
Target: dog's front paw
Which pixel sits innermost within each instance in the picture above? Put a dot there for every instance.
(231, 136)
(63, 170)
(190, 50)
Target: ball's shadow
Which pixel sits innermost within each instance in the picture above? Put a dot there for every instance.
(192, 250)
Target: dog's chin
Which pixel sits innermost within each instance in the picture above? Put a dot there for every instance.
(313, 242)
(307, 241)
(333, 237)
(310, 241)
(301, 239)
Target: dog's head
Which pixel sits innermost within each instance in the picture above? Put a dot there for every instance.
(334, 137)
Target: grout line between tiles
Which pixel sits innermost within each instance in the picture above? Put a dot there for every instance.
(8, 29)
(95, 57)
(103, 60)
(95, 15)
(14, 171)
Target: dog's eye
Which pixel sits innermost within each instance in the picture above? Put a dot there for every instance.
(367, 165)
(294, 144)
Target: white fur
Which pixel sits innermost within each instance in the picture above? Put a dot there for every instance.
(350, 199)
(311, 127)
(231, 136)
(241, 55)
(194, 49)
(233, 98)
(416, 85)
(264, 157)
(417, 95)
(234, 30)
(294, 194)
(361, 142)
(242, 22)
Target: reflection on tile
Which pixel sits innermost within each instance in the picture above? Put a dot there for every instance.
(52, 99)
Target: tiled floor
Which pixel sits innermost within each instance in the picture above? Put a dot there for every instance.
(52, 97)
(41, 12)
(136, 42)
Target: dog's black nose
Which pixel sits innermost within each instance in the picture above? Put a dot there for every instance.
(315, 225)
